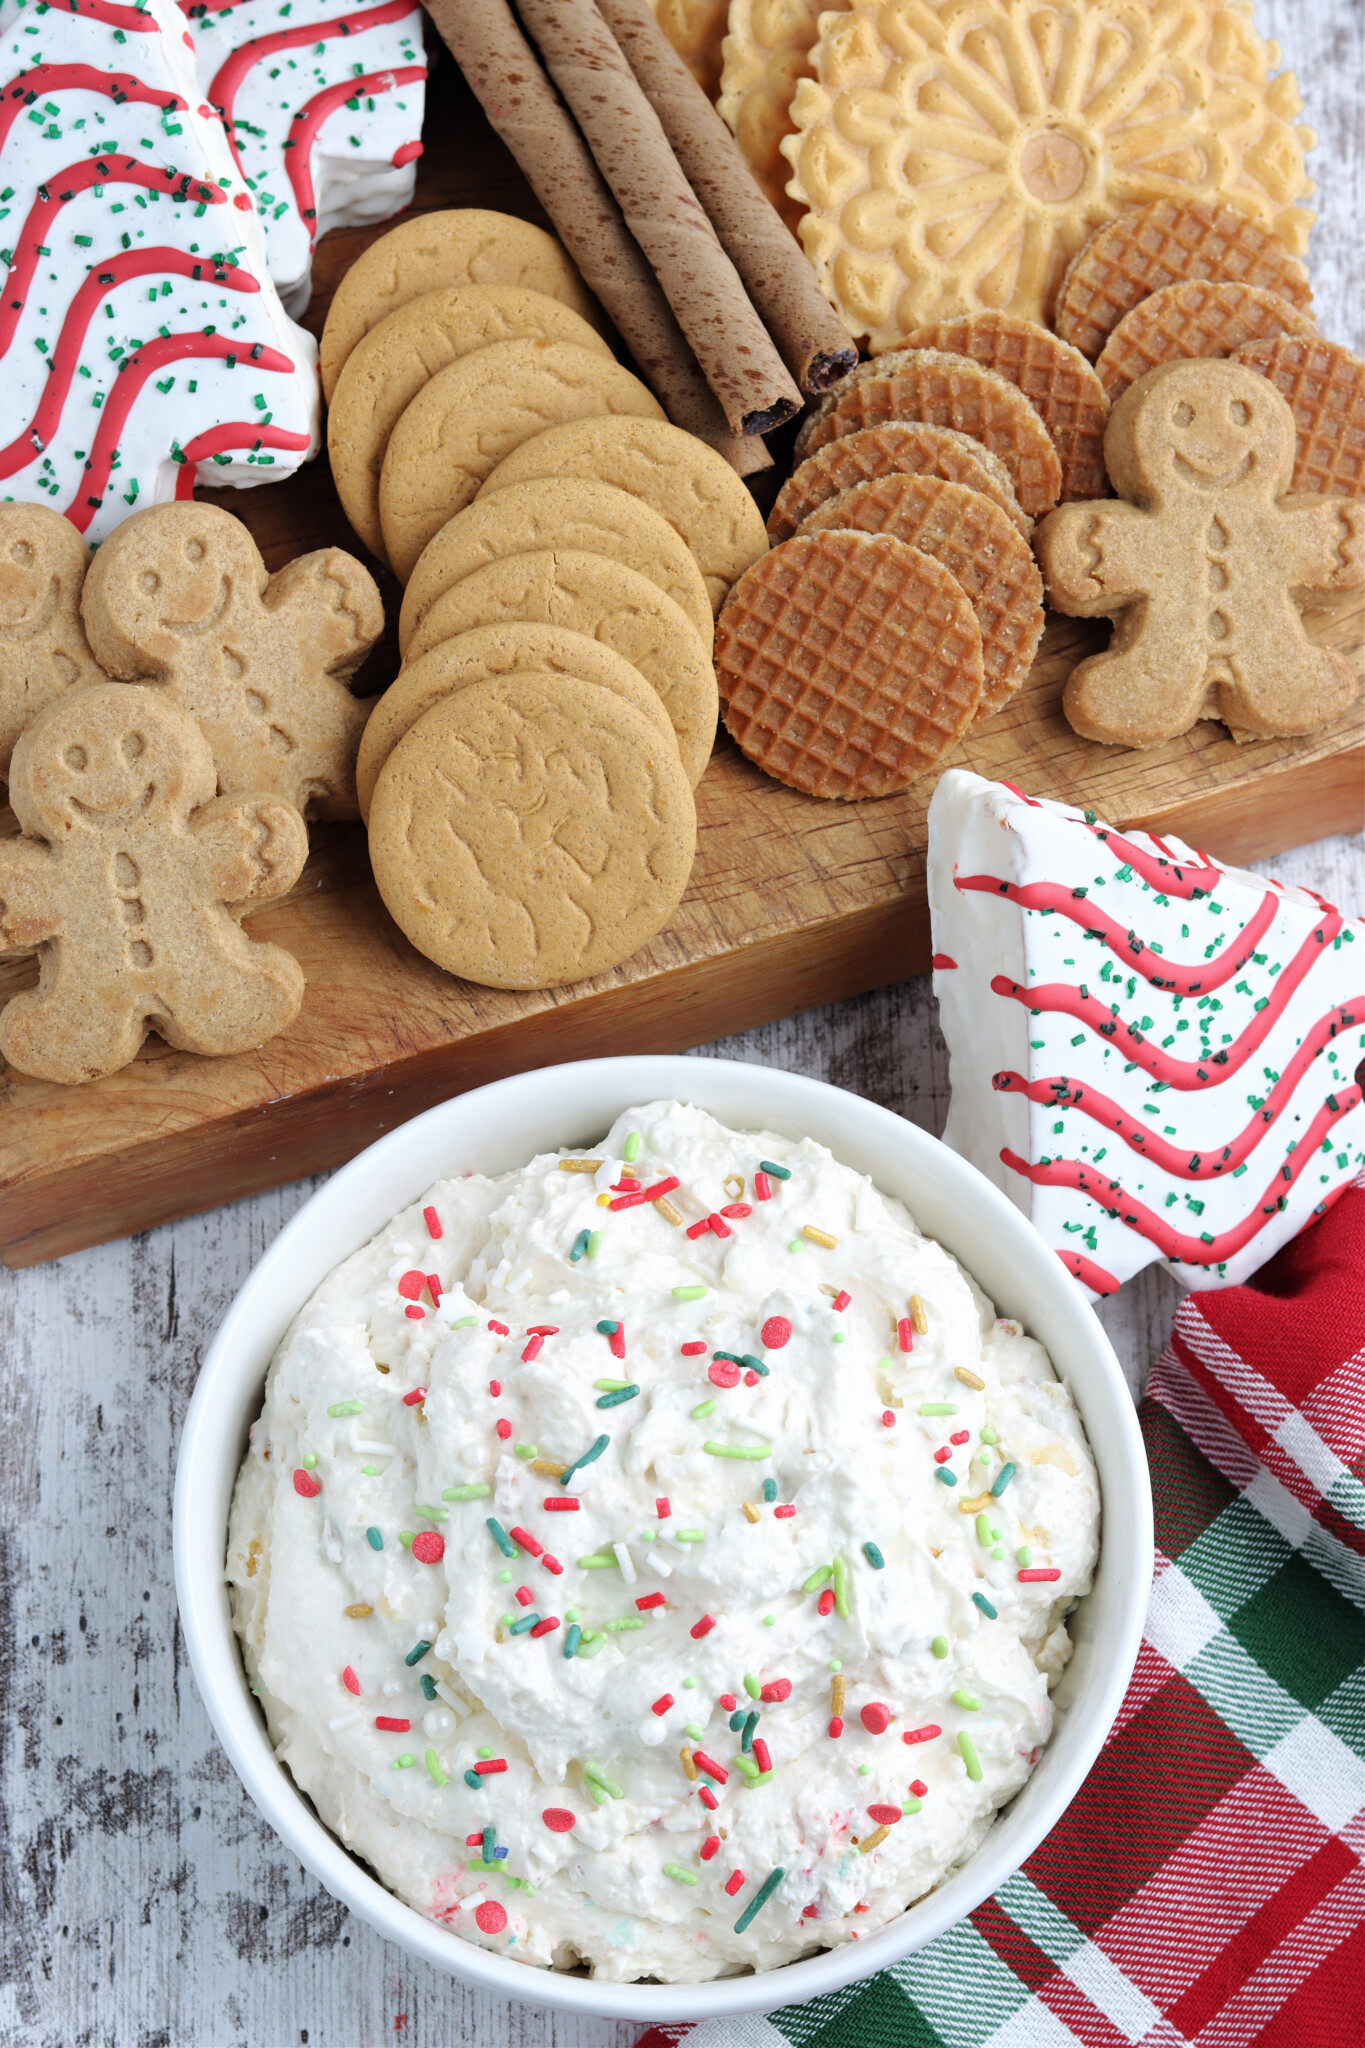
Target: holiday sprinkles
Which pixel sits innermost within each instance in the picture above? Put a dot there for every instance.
(639, 1639)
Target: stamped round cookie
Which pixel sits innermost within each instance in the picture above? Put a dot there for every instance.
(558, 512)
(765, 53)
(531, 832)
(475, 412)
(388, 367)
(485, 651)
(693, 488)
(618, 606)
(465, 245)
(899, 449)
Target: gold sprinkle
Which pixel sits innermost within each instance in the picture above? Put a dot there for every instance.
(688, 1764)
(819, 1237)
(733, 1185)
(360, 1610)
(604, 1200)
(917, 1316)
(667, 1211)
(978, 1506)
(873, 1840)
(548, 1465)
(836, 1694)
(968, 1379)
(832, 1292)
(751, 1513)
(579, 1165)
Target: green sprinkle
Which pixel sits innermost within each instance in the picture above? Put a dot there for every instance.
(1024, 1554)
(611, 1386)
(607, 1329)
(649, 1535)
(945, 1477)
(690, 1685)
(308, 1460)
(476, 1490)
(983, 1530)
(864, 1770)
(938, 1407)
(770, 1489)
(688, 1535)
(752, 1685)
(702, 1408)
(527, 1620)
(465, 1323)
(746, 1740)
(1002, 1480)
(817, 1578)
(374, 1539)
(489, 1844)
(595, 1774)
(505, 1577)
(474, 1781)
(912, 1805)
(593, 1451)
(600, 1561)
(988, 1435)
(346, 1408)
(438, 1776)
(746, 1766)
(527, 1450)
(501, 1537)
(839, 1337)
(417, 1652)
(715, 1450)
(939, 1646)
(777, 1172)
(968, 1701)
(623, 1623)
(404, 1762)
(678, 1874)
(571, 1614)
(841, 1588)
(795, 1245)
(980, 1600)
(689, 1293)
(407, 1537)
(836, 1663)
(746, 1358)
(766, 1889)
(770, 1621)
(632, 1148)
(428, 1685)
(579, 1246)
(593, 1643)
(485, 1752)
(616, 1397)
(594, 1243)
(694, 1730)
(969, 1756)
(430, 1514)
(874, 1557)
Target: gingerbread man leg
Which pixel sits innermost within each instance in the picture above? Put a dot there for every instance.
(1146, 687)
(1275, 682)
(42, 1032)
(237, 994)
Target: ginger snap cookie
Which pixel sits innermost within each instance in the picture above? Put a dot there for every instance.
(513, 648)
(946, 391)
(464, 245)
(619, 607)
(851, 662)
(1201, 320)
(388, 367)
(689, 484)
(953, 158)
(1323, 385)
(43, 648)
(558, 512)
(1140, 251)
(531, 831)
(910, 448)
(473, 413)
(976, 543)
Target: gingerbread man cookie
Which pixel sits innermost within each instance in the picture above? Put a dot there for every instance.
(1201, 567)
(179, 597)
(129, 880)
(43, 648)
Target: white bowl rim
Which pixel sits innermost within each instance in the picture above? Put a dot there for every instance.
(199, 1546)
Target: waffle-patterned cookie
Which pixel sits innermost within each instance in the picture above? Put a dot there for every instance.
(976, 543)
(912, 449)
(947, 391)
(1325, 388)
(1055, 378)
(1199, 319)
(1168, 243)
(851, 663)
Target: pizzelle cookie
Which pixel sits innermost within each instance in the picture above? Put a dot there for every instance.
(954, 158)
(43, 648)
(1151, 246)
(691, 486)
(559, 512)
(851, 663)
(1198, 321)
(531, 831)
(696, 29)
(946, 391)
(588, 594)
(977, 544)
(512, 648)
(476, 411)
(910, 448)
(765, 52)
(1324, 387)
(466, 245)
(388, 367)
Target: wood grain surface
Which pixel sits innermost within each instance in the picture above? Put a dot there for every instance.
(143, 1903)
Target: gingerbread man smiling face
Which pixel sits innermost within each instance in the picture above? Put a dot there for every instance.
(1201, 567)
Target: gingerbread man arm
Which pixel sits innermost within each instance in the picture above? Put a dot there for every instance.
(1093, 557)
(250, 848)
(29, 905)
(1324, 544)
(337, 602)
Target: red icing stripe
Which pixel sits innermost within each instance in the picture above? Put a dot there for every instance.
(1172, 1243)
(310, 117)
(219, 441)
(120, 86)
(1088, 1273)
(228, 79)
(1172, 877)
(132, 18)
(942, 960)
(1123, 942)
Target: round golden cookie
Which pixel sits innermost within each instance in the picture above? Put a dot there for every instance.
(531, 831)
(509, 649)
(976, 543)
(850, 663)
(1201, 319)
(946, 391)
(465, 245)
(1324, 386)
(476, 411)
(953, 158)
(910, 449)
(618, 606)
(388, 367)
(765, 53)
(1151, 246)
(560, 512)
(689, 484)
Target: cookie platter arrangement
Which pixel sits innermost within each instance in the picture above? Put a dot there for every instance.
(866, 355)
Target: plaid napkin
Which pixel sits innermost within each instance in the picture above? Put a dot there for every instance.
(1206, 1886)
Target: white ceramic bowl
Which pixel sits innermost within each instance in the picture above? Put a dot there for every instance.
(502, 1126)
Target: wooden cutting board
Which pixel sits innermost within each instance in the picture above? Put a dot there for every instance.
(792, 902)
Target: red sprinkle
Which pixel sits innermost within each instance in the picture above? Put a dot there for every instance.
(499, 1329)
(663, 1703)
(544, 1628)
(305, 1484)
(905, 1334)
(784, 1513)
(1039, 1573)
(885, 1816)
(924, 1734)
(751, 1379)
(562, 1504)
(663, 1507)
(918, 1787)
(495, 1388)
(699, 1229)
(433, 1223)
(836, 1726)
(411, 1284)
(875, 1717)
(810, 1912)
(489, 1765)
(417, 1395)
(415, 1314)
(434, 1287)
(959, 1436)
(524, 1596)
(888, 1419)
(616, 1343)
(662, 1187)
(763, 1187)
(736, 1209)
(552, 1564)
(721, 1229)
(557, 1819)
(777, 1689)
(728, 1701)
(761, 1756)
(942, 1455)
(428, 1548)
(776, 1332)
(390, 1725)
(712, 1769)
(626, 1183)
(707, 1798)
(350, 1681)
(826, 1601)
(703, 1628)
(491, 1917)
(692, 1350)
(736, 1878)
(543, 1330)
(841, 1300)
(534, 1346)
(723, 1373)
(526, 1540)
(629, 1201)
(504, 1428)
(709, 1848)
(474, 1841)
(650, 1600)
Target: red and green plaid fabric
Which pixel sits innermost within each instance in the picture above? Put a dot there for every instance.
(1207, 1885)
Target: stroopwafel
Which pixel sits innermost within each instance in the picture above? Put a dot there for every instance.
(1199, 319)
(1324, 385)
(909, 448)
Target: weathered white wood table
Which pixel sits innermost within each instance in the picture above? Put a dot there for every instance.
(142, 1902)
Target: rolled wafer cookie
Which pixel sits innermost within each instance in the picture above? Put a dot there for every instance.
(557, 512)
(523, 108)
(515, 647)
(696, 30)
(1201, 320)
(909, 448)
(699, 281)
